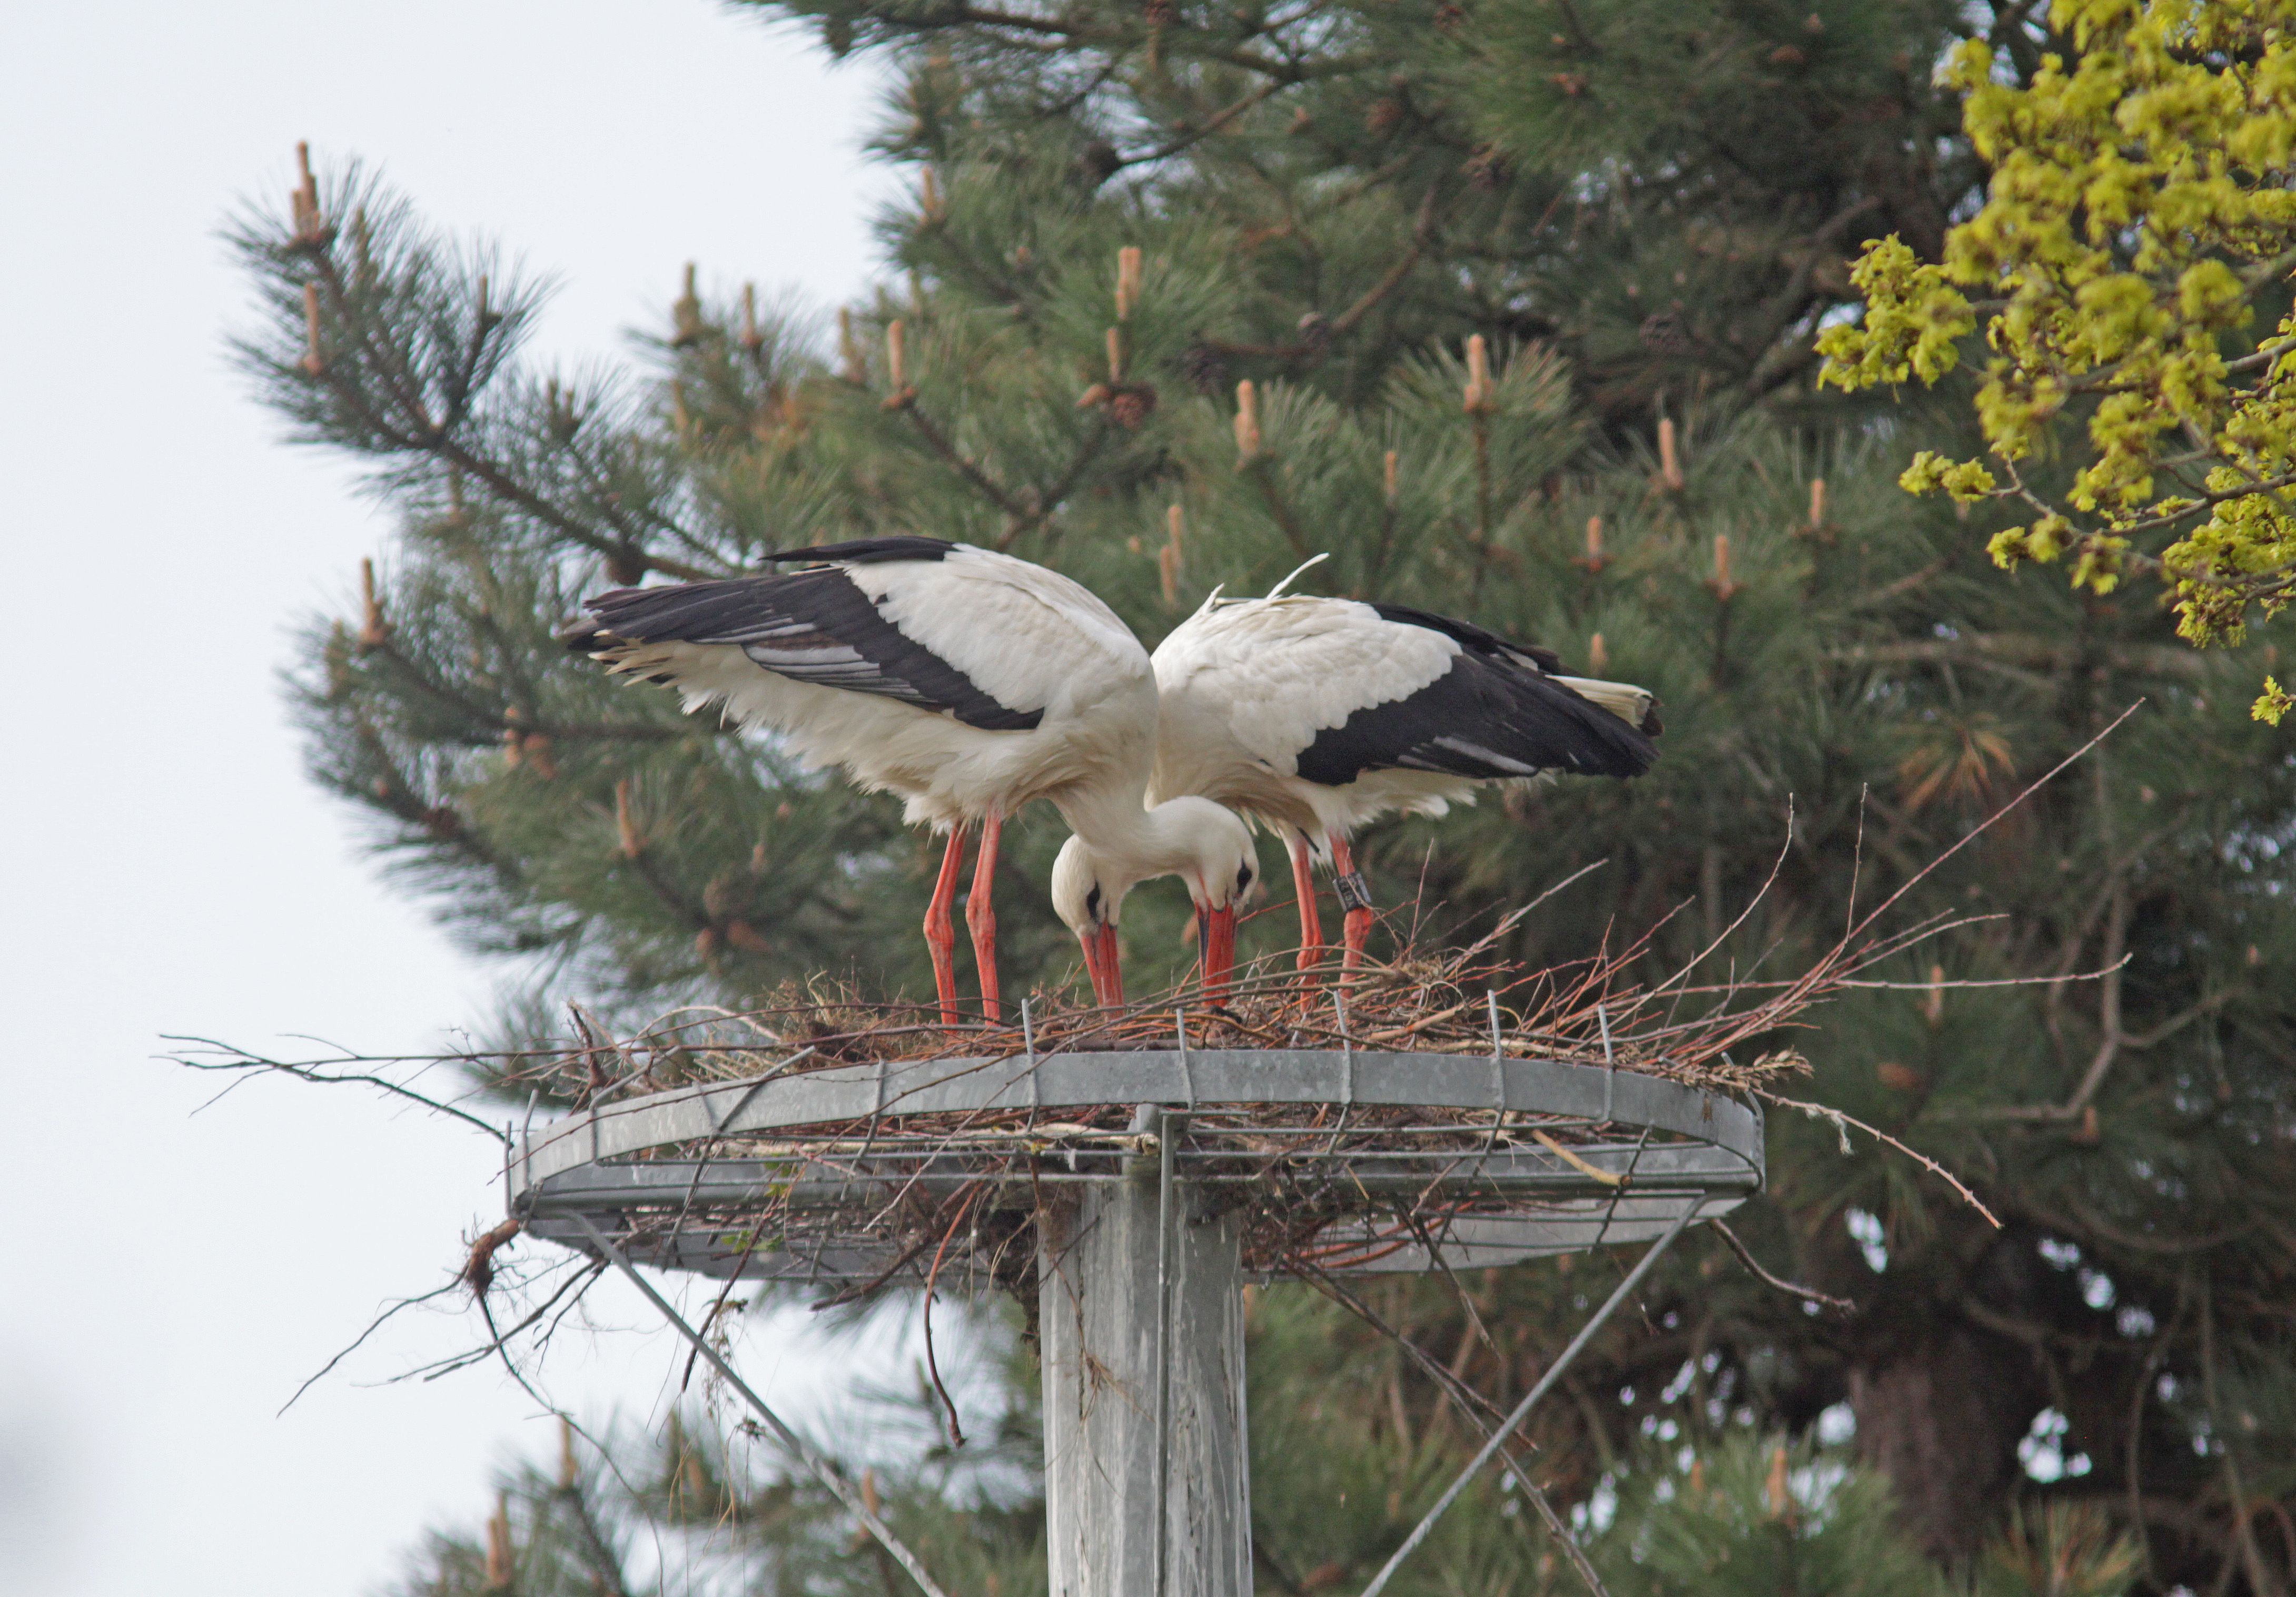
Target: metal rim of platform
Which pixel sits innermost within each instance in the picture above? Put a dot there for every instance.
(835, 1146)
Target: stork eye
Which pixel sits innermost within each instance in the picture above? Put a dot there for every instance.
(1092, 902)
(1242, 878)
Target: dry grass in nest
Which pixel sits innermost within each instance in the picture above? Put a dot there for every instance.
(1291, 1172)
(1590, 1011)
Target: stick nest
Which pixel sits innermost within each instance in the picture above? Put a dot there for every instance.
(956, 1195)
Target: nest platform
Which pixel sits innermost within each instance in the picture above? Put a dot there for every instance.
(1337, 1161)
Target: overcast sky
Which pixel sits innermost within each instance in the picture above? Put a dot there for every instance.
(167, 1279)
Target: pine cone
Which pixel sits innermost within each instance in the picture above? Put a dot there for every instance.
(1099, 161)
(1314, 335)
(1489, 169)
(723, 896)
(1132, 405)
(1206, 369)
(1385, 114)
(1664, 333)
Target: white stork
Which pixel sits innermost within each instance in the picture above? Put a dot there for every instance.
(1318, 715)
(966, 681)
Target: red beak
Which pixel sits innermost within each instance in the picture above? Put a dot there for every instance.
(1103, 965)
(1219, 940)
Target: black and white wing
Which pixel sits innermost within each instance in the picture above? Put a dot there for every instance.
(1329, 689)
(834, 624)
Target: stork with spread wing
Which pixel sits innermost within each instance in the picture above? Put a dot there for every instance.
(967, 681)
(1318, 715)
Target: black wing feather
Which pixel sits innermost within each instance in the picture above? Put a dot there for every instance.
(812, 626)
(1470, 636)
(865, 551)
(1494, 714)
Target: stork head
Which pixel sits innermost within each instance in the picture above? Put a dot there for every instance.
(1203, 843)
(1088, 898)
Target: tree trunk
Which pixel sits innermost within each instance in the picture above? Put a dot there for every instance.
(1942, 1418)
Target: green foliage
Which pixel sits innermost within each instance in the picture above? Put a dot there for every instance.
(693, 1509)
(1759, 1516)
(2134, 223)
(1335, 1488)
(2061, 1550)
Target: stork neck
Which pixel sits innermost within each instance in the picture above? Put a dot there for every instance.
(1110, 815)
(1115, 820)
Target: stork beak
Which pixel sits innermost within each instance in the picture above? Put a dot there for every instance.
(1112, 962)
(1217, 938)
(1102, 963)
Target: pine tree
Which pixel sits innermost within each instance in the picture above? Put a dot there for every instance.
(689, 1509)
(1512, 309)
(1743, 1514)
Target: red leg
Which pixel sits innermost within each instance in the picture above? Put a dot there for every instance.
(1303, 887)
(941, 930)
(1355, 898)
(981, 915)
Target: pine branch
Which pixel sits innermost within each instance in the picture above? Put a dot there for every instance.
(905, 403)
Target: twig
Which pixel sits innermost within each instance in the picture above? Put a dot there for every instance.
(1609, 1178)
(1840, 1304)
(462, 1360)
(1979, 830)
(1842, 1124)
(374, 1326)
(244, 1060)
(932, 1277)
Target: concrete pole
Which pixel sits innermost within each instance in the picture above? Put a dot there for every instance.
(1099, 1305)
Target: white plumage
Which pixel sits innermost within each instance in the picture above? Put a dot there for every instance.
(1319, 715)
(967, 681)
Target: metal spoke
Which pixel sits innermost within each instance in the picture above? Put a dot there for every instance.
(1530, 1398)
(821, 1471)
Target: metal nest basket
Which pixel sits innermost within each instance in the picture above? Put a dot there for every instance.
(1330, 1161)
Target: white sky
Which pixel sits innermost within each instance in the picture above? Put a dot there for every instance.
(166, 1280)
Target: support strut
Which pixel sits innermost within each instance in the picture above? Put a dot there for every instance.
(838, 1486)
(1507, 1428)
